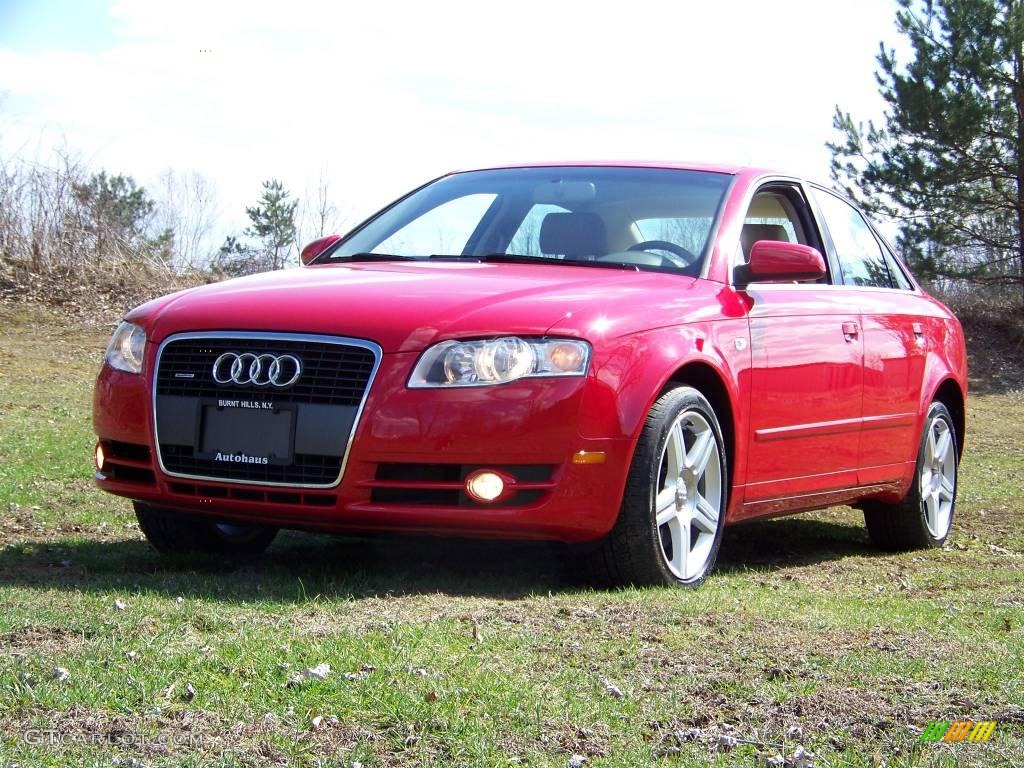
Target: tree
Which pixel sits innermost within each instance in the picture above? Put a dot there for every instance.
(948, 163)
(186, 206)
(322, 214)
(117, 214)
(273, 223)
(235, 258)
(317, 214)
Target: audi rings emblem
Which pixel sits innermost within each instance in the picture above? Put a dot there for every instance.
(259, 370)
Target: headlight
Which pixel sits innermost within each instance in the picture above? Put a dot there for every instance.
(497, 361)
(126, 348)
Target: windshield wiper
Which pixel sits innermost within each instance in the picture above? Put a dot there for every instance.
(372, 257)
(518, 258)
(492, 258)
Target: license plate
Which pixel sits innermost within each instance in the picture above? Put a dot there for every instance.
(259, 433)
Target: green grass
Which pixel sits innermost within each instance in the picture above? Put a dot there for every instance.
(480, 653)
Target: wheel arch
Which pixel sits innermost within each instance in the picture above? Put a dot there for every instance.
(951, 395)
(710, 383)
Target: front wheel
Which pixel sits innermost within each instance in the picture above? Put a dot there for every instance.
(670, 525)
(171, 532)
(925, 516)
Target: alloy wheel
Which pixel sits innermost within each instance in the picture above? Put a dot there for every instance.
(688, 504)
(938, 478)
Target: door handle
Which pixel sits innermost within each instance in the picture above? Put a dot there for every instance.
(850, 331)
(918, 329)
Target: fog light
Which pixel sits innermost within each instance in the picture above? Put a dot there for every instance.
(485, 486)
(100, 456)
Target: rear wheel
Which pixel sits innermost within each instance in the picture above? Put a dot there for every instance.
(925, 516)
(669, 528)
(171, 532)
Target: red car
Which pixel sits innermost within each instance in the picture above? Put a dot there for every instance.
(627, 357)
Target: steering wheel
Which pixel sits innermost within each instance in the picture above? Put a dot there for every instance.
(679, 256)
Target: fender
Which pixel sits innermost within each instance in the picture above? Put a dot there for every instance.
(148, 315)
(632, 373)
(945, 363)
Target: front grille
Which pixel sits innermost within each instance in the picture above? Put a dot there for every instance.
(332, 374)
(330, 390)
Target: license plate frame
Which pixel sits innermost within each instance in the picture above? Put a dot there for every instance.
(256, 431)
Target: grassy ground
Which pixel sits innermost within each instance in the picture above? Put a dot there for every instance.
(462, 653)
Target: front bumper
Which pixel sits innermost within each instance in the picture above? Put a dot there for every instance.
(409, 453)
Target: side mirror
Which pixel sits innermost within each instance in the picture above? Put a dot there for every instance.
(318, 246)
(775, 261)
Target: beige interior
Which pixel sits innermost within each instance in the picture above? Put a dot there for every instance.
(770, 208)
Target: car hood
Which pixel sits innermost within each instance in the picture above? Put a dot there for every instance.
(407, 306)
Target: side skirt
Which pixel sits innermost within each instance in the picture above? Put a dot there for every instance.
(788, 505)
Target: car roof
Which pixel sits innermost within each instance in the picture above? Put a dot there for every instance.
(732, 170)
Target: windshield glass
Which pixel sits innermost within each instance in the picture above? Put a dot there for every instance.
(639, 217)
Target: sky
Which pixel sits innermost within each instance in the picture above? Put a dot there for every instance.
(378, 97)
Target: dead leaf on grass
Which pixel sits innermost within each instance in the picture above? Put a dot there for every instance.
(613, 690)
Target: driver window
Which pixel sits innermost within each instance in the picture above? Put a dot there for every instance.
(771, 216)
(777, 213)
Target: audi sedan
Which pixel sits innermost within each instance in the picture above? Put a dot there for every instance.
(623, 357)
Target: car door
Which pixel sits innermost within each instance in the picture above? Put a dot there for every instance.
(894, 339)
(807, 369)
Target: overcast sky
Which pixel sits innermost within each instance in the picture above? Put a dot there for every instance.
(383, 95)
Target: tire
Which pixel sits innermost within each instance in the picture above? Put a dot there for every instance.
(679, 467)
(172, 532)
(925, 516)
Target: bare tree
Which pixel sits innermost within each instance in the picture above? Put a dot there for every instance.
(326, 212)
(186, 205)
(42, 221)
(78, 239)
(318, 216)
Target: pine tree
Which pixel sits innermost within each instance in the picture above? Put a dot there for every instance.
(117, 215)
(948, 163)
(235, 258)
(273, 223)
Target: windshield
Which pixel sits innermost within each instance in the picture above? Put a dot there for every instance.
(640, 218)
